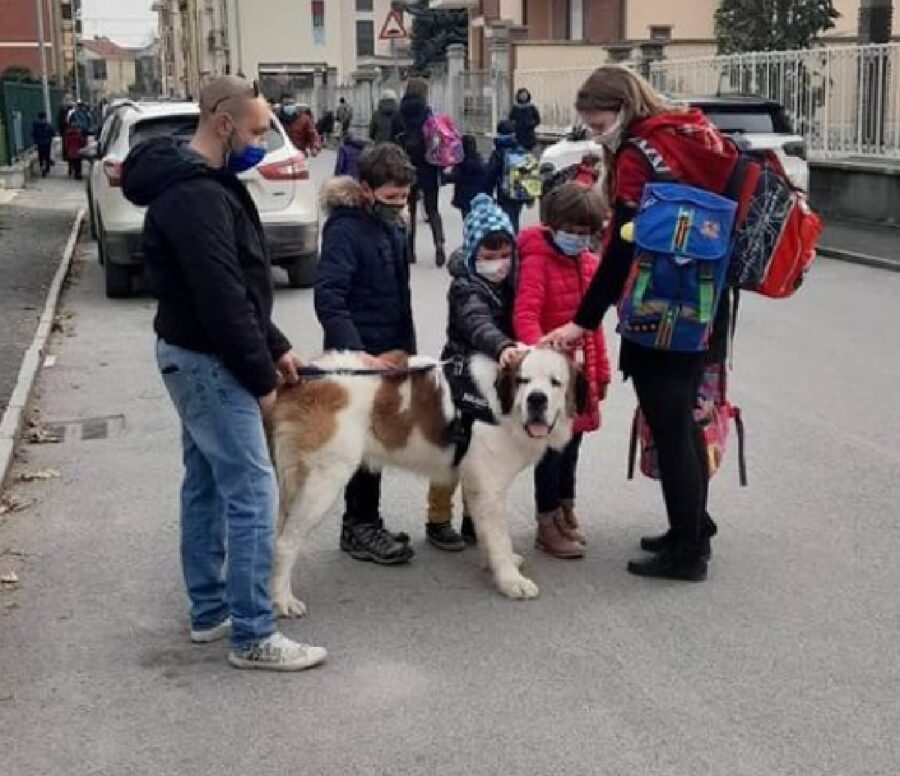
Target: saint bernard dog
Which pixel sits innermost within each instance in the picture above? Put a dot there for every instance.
(322, 430)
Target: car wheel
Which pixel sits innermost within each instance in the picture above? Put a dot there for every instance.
(302, 271)
(118, 278)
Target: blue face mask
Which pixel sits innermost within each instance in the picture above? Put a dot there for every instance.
(571, 244)
(246, 158)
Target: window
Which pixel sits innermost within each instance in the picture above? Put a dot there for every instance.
(364, 5)
(318, 22)
(66, 12)
(365, 39)
(660, 33)
(98, 69)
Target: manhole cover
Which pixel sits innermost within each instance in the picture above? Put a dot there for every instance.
(85, 429)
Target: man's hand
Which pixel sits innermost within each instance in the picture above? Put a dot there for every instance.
(267, 403)
(511, 355)
(563, 338)
(287, 367)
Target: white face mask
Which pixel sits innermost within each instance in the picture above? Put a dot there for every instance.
(612, 138)
(493, 271)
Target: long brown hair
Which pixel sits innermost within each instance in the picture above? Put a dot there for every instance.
(616, 88)
(418, 87)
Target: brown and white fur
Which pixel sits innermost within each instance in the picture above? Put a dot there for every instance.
(322, 430)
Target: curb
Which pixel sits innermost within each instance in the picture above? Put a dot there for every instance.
(33, 358)
(864, 259)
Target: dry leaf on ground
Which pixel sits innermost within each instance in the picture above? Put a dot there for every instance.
(9, 503)
(39, 474)
(40, 436)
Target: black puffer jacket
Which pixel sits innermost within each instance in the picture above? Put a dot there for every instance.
(480, 313)
(386, 125)
(206, 260)
(526, 119)
(362, 294)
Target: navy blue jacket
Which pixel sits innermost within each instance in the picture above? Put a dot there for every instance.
(42, 133)
(471, 177)
(362, 294)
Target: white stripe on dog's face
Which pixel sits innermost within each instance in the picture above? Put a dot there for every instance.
(542, 384)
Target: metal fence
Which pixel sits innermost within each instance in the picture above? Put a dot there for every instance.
(477, 110)
(844, 100)
(20, 104)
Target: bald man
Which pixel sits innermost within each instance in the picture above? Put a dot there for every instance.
(221, 359)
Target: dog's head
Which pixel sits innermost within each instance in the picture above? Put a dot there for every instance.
(545, 390)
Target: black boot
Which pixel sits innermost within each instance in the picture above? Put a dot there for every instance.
(662, 542)
(676, 563)
(440, 257)
(444, 537)
(468, 530)
(370, 542)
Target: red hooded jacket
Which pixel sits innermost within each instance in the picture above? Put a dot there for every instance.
(550, 288)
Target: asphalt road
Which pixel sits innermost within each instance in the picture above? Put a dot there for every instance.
(783, 664)
(34, 228)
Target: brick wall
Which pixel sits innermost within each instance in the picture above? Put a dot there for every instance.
(20, 25)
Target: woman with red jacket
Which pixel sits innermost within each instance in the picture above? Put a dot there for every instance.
(626, 114)
(556, 268)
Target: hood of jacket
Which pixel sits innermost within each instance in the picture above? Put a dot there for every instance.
(342, 192)
(697, 152)
(154, 166)
(387, 106)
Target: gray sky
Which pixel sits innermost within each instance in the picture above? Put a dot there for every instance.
(127, 22)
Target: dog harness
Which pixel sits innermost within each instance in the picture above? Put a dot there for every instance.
(471, 406)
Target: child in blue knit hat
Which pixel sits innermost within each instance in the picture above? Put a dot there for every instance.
(480, 302)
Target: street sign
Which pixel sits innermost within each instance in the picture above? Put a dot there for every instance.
(393, 28)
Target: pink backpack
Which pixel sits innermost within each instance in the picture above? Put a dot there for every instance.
(443, 144)
(713, 412)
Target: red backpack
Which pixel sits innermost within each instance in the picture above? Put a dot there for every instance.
(777, 231)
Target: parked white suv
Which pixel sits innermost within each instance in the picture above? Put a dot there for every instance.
(280, 187)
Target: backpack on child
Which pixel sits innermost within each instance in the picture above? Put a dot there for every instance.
(775, 240)
(712, 412)
(521, 179)
(683, 240)
(443, 143)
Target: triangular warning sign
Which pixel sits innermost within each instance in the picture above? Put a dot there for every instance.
(393, 28)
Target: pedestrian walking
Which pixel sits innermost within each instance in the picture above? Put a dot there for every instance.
(556, 266)
(501, 164)
(414, 112)
(479, 301)
(73, 141)
(348, 155)
(526, 119)
(386, 125)
(362, 300)
(470, 177)
(302, 131)
(344, 116)
(221, 358)
(626, 114)
(42, 134)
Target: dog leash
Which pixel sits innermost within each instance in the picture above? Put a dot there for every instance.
(318, 373)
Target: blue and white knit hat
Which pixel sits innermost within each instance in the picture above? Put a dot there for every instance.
(484, 218)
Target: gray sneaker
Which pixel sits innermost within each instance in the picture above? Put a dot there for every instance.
(216, 633)
(277, 653)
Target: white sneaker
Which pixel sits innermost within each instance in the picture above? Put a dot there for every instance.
(216, 633)
(277, 653)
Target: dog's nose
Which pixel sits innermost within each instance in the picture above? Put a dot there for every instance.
(537, 401)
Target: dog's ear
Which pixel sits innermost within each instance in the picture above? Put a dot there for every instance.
(578, 393)
(505, 385)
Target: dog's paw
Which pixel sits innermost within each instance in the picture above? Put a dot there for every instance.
(519, 587)
(289, 606)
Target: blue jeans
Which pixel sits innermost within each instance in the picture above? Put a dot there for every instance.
(228, 497)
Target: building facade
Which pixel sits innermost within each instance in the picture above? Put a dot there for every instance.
(19, 45)
(109, 70)
(193, 44)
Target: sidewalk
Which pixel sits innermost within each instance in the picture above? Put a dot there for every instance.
(34, 227)
(875, 246)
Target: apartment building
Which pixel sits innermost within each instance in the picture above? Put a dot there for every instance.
(19, 45)
(108, 70)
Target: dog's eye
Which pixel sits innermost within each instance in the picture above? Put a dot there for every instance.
(522, 380)
(556, 382)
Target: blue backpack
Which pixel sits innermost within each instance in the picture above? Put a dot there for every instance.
(683, 243)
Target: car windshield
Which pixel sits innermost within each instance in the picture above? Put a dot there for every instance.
(183, 127)
(747, 120)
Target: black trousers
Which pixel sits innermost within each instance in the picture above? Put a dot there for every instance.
(44, 157)
(666, 385)
(429, 185)
(554, 476)
(362, 498)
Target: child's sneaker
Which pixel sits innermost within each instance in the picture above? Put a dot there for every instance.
(444, 537)
(216, 633)
(277, 653)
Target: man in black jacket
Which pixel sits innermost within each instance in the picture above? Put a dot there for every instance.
(221, 359)
(363, 303)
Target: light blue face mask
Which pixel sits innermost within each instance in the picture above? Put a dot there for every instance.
(571, 244)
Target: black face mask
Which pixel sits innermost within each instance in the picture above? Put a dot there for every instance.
(387, 211)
